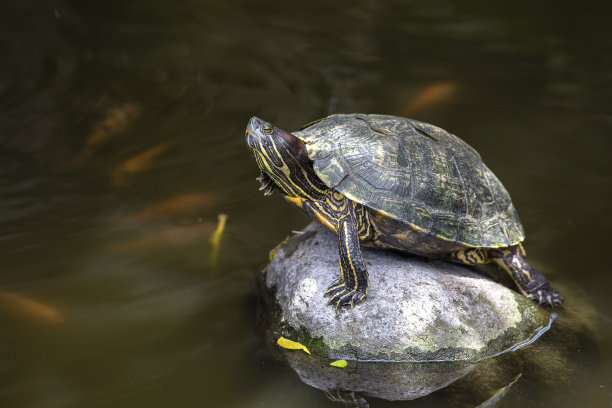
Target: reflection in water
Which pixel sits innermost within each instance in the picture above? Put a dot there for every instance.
(499, 395)
(542, 367)
(389, 381)
(149, 325)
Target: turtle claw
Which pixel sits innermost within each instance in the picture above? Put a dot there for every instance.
(266, 183)
(334, 287)
(546, 295)
(341, 295)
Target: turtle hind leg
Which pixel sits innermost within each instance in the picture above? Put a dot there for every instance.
(470, 256)
(531, 283)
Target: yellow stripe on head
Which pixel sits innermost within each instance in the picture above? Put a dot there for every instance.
(283, 157)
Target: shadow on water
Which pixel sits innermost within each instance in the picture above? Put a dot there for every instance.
(121, 142)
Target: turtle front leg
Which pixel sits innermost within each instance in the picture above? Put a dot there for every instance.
(530, 282)
(352, 286)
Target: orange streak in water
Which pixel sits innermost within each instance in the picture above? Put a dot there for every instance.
(29, 308)
(430, 95)
(168, 237)
(115, 120)
(184, 204)
(138, 163)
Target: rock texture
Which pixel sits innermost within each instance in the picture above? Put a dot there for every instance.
(416, 309)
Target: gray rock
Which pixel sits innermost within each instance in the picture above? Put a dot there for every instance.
(416, 309)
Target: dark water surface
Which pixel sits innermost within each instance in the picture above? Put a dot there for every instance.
(121, 141)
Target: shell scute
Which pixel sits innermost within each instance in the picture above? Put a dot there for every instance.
(416, 173)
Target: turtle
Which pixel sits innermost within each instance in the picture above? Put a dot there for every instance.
(395, 183)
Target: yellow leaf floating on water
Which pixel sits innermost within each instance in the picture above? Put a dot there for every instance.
(339, 363)
(215, 240)
(291, 345)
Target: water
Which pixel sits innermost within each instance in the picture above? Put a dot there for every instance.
(106, 303)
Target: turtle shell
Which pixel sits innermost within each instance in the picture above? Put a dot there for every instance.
(415, 173)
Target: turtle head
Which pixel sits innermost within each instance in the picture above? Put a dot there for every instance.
(283, 161)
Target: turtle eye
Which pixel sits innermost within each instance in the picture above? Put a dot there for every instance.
(267, 128)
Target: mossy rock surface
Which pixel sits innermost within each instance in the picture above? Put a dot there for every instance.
(416, 310)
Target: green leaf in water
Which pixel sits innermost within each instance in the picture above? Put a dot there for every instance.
(339, 363)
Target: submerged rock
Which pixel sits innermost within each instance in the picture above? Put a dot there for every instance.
(416, 309)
